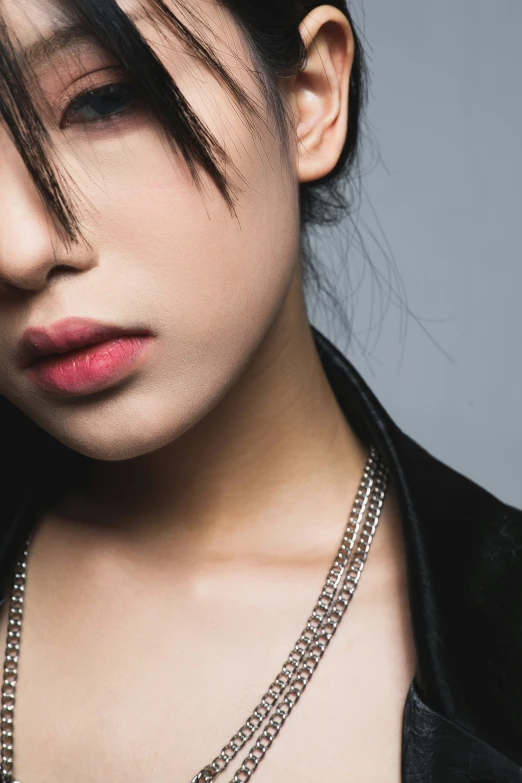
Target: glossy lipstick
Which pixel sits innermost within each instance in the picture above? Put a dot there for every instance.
(79, 356)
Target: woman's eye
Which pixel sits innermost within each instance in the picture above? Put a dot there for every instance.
(101, 104)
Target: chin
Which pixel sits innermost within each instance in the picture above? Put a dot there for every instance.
(118, 433)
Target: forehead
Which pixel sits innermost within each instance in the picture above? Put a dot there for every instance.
(30, 19)
(31, 23)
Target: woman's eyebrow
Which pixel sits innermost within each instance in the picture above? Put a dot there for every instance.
(44, 49)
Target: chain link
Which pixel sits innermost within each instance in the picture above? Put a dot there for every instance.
(316, 636)
(318, 631)
(297, 671)
(12, 653)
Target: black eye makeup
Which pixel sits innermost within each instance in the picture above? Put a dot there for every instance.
(106, 103)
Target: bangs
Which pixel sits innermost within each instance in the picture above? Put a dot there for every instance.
(30, 134)
(118, 34)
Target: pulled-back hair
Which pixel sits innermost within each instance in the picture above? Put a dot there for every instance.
(270, 32)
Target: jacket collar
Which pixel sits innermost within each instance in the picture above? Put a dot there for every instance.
(463, 553)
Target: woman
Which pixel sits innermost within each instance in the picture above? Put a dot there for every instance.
(176, 493)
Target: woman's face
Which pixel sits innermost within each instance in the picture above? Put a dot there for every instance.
(163, 255)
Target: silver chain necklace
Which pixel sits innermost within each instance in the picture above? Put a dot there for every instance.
(287, 688)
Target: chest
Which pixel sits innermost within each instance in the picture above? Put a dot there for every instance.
(153, 689)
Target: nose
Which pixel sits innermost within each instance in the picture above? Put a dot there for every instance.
(31, 243)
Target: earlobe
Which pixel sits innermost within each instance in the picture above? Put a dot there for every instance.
(321, 92)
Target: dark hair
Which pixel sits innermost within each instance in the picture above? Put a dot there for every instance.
(270, 30)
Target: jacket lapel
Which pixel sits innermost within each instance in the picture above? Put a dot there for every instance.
(464, 570)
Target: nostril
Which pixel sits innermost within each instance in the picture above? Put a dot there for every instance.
(60, 270)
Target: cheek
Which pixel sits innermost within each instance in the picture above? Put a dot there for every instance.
(205, 272)
(214, 281)
(210, 284)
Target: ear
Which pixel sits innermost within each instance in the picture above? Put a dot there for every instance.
(320, 92)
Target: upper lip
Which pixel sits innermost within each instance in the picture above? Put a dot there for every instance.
(67, 335)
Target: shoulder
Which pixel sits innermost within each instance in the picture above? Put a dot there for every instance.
(450, 493)
(465, 548)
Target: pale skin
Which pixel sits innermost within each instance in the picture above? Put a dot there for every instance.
(163, 597)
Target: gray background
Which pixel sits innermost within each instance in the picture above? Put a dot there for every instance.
(443, 203)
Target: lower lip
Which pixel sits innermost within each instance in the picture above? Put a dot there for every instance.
(90, 369)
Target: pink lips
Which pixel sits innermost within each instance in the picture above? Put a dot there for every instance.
(78, 355)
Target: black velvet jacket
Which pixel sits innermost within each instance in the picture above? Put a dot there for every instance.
(463, 713)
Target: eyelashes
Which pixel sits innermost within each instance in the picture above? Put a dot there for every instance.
(100, 105)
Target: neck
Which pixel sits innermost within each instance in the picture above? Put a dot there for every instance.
(270, 469)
